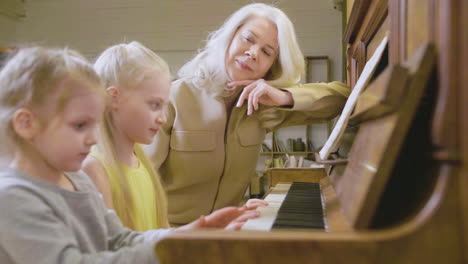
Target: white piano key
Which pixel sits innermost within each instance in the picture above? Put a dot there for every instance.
(268, 214)
(264, 221)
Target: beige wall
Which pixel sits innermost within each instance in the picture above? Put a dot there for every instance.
(173, 28)
(7, 30)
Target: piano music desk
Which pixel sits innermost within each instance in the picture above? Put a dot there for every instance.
(276, 175)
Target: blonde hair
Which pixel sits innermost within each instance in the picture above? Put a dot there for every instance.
(125, 66)
(28, 78)
(207, 68)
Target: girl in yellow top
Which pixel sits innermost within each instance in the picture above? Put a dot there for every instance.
(143, 215)
(138, 82)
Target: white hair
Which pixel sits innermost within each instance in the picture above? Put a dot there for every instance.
(207, 69)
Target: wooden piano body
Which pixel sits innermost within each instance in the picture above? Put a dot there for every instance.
(401, 197)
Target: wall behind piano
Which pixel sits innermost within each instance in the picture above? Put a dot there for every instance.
(7, 30)
(173, 28)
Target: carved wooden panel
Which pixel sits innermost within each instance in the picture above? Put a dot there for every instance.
(367, 19)
(417, 19)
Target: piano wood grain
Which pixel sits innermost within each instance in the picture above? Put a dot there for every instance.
(277, 175)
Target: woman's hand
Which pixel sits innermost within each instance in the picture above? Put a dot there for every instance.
(259, 91)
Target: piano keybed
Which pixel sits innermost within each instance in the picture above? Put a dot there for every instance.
(296, 205)
(301, 208)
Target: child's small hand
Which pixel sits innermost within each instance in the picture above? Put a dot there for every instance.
(223, 217)
(218, 219)
(199, 223)
(252, 204)
(229, 218)
(240, 221)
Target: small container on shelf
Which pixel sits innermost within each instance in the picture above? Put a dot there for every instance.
(299, 145)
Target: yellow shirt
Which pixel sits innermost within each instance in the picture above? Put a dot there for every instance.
(141, 189)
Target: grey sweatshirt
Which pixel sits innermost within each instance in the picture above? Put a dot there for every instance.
(43, 223)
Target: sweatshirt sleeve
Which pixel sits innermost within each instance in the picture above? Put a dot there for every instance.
(32, 232)
(121, 236)
(313, 103)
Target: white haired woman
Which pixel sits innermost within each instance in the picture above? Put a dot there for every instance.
(243, 84)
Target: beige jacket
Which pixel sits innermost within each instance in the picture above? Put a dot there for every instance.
(206, 159)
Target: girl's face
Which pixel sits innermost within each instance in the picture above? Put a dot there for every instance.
(253, 50)
(64, 140)
(140, 112)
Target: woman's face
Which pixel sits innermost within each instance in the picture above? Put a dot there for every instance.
(253, 49)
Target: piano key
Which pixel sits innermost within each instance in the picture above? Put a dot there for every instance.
(264, 222)
(296, 205)
(268, 214)
(302, 207)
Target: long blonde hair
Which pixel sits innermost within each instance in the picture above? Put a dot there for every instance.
(125, 66)
(28, 78)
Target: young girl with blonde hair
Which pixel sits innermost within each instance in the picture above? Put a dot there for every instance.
(137, 82)
(121, 171)
(51, 102)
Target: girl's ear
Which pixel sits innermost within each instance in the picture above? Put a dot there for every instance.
(25, 124)
(114, 95)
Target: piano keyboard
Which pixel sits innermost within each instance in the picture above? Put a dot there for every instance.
(296, 205)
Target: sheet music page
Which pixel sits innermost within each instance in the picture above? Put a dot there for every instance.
(332, 141)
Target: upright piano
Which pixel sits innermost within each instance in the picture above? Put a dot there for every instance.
(397, 191)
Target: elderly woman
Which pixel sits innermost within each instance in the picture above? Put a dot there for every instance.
(243, 84)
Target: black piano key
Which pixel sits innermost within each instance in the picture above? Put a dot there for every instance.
(303, 224)
(301, 208)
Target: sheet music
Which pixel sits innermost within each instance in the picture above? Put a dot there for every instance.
(332, 141)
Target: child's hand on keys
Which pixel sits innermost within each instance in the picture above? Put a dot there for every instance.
(229, 218)
(237, 223)
(252, 204)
